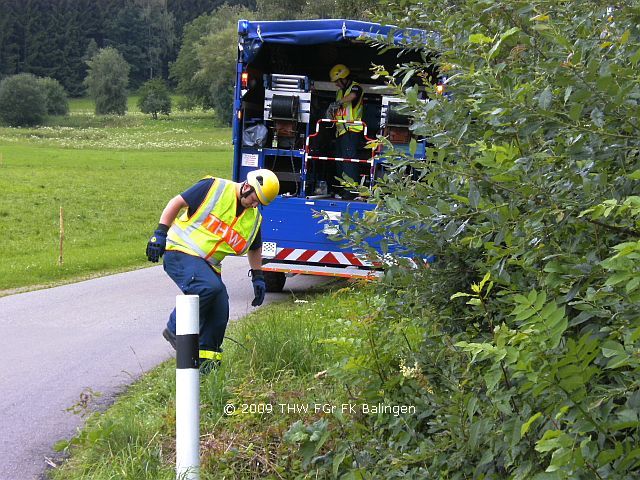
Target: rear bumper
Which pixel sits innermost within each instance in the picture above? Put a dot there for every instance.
(324, 270)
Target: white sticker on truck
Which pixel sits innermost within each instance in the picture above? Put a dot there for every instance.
(249, 159)
(269, 249)
(330, 227)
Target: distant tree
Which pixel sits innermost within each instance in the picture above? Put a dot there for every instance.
(92, 49)
(353, 9)
(310, 9)
(107, 81)
(279, 9)
(69, 37)
(205, 69)
(185, 11)
(155, 98)
(22, 100)
(145, 35)
(9, 44)
(216, 54)
(126, 32)
(41, 55)
(183, 71)
(160, 40)
(56, 97)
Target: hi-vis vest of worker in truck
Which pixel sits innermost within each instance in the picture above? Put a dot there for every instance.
(306, 108)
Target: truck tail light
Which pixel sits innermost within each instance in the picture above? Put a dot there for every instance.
(244, 79)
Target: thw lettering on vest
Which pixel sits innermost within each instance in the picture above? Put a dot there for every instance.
(225, 232)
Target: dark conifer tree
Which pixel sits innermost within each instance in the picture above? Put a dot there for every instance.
(9, 37)
(50, 37)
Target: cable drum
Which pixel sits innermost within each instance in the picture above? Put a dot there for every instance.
(396, 118)
(285, 107)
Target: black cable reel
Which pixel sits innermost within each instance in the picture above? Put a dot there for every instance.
(285, 107)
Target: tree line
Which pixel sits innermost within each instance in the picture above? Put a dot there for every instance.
(55, 38)
(190, 45)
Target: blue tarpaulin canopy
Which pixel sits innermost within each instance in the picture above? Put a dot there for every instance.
(314, 32)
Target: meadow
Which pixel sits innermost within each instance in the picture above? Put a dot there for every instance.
(111, 175)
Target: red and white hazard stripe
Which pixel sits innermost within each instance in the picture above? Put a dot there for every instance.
(339, 159)
(321, 256)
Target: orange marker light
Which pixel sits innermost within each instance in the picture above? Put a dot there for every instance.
(440, 88)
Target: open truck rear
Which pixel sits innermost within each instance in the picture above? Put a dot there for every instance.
(281, 97)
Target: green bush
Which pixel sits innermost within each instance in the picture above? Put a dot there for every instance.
(107, 81)
(528, 364)
(57, 101)
(154, 98)
(22, 100)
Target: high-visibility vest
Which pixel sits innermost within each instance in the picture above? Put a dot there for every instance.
(214, 231)
(348, 112)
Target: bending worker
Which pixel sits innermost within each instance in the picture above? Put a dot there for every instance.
(222, 218)
(348, 106)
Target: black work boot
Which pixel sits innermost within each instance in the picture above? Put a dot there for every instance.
(169, 337)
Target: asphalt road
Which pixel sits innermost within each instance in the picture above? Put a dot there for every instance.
(98, 335)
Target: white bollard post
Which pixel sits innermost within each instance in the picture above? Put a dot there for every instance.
(187, 388)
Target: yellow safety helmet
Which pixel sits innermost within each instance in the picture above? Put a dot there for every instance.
(265, 183)
(339, 71)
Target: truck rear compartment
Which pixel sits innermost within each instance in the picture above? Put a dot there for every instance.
(287, 139)
(284, 95)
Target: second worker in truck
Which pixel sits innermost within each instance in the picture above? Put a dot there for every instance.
(348, 107)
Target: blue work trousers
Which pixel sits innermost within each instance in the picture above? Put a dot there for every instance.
(194, 276)
(347, 147)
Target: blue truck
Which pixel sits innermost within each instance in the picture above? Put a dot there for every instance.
(280, 122)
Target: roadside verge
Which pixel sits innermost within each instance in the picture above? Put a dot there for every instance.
(273, 381)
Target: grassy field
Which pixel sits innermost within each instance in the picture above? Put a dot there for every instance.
(111, 176)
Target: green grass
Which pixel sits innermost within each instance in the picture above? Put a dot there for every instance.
(271, 358)
(111, 175)
(87, 105)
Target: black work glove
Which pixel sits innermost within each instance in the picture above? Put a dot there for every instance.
(157, 243)
(259, 287)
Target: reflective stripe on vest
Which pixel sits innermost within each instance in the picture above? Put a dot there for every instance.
(214, 231)
(348, 112)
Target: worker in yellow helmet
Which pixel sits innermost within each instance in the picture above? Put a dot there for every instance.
(348, 107)
(221, 218)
